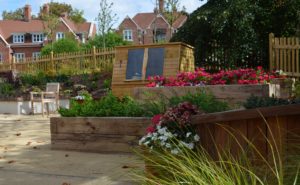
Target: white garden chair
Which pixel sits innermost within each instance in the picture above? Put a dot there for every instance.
(51, 95)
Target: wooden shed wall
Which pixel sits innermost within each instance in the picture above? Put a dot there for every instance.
(176, 55)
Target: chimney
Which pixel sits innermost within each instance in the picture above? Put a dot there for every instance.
(161, 6)
(64, 15)
(46, 9)
(27, 13)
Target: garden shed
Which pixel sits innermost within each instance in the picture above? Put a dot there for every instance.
(134, 64)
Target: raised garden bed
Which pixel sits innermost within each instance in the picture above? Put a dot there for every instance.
(231, 93)
(279, 125)
(102, 134)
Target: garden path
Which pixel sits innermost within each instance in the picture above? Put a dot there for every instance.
(26, 158)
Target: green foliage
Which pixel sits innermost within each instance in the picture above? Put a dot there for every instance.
(61, 46)
(111, 40)
(107, 84)
(77, 16)
(6, 89)
(40, 79)
(297, 89)
(240, 28)
(57, 9)
(13, 15)
(255, 102)
(204, 101)
(105, 107)
(199, 168)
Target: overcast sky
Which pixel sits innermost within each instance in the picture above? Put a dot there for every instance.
(91, 7)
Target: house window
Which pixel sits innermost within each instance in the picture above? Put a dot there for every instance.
(60, 35)
(1, 58)
(160, 35)
(127, 35)
(36, 55)
(18, 38)
(19, 57)
(38, 37)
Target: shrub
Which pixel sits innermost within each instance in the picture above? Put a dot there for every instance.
(6, 89)
(255, 102)
(61, 46)
(204, 101)
(172, 130)
(105, 107)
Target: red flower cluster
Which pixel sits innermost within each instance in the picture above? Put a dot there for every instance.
(201, 77)
(175, 119)
(155, 121)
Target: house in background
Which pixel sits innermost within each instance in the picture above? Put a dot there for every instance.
(25, 38)
(147, 28)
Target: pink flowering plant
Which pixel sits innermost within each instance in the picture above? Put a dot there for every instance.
(172, 130)
(201, 77)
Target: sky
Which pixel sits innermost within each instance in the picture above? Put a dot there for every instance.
(91, 7)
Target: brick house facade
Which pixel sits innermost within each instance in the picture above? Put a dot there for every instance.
(147, 28)
(25, 38)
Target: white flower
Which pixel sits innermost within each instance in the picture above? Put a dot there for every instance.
(188, 134)
(196, 138)
(79, 98)
(142, 140)
(184, 143)
(191, 145)
(175, 151)
(162, 130)
(163, 138)
(168, 145)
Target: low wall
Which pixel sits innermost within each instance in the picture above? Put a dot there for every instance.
(19, 107)
(112, 134)
(231, 93)
(263, 127)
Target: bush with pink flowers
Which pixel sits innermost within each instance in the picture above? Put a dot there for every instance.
(200, 77)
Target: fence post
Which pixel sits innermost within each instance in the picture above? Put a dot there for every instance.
(94, 56)
(52, 61)
(271, 57)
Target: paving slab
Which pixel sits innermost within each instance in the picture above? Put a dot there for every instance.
(26, 158)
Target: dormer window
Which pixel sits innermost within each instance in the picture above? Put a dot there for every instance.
(18, 38)
(37, 37)
(60, 35)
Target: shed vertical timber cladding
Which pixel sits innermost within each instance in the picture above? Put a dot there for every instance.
(169, 59)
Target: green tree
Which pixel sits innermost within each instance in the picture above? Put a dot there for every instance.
(13, 15)
(106, 19)
(77, 16)
(56, 9)
(239, 28)
(171, 10)
(112, 40)
(61, 46)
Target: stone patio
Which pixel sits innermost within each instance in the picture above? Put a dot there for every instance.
(26, 158)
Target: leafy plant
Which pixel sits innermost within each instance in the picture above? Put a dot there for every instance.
(197, 167)
(204, 101)
(6, 89)
(172, 130)
(255, 102)
(107, 106)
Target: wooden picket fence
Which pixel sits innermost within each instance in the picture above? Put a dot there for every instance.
(65, 63)
(284, 54)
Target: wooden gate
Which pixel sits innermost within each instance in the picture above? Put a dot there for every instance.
(284, 54)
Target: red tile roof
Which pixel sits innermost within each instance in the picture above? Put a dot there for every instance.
(179, 21)
(9, 27)
(144, 20)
